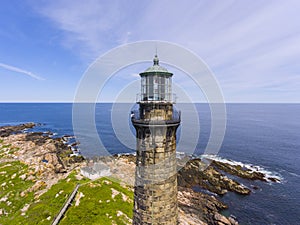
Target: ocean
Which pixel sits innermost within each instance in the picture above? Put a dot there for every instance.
(264, 135)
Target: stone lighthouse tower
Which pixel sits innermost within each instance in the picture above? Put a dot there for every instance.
(156, 122)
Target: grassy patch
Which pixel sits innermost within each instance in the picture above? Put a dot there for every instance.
(6, 146)
(13, 150)
(6, 150)
(11, 187)
(46, 208)
(97, 206)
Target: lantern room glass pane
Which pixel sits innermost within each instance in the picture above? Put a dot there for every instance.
(156, 88)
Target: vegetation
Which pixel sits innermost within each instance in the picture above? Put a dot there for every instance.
(48, 205)
(96, 204)
(102, 202)
(11, 188)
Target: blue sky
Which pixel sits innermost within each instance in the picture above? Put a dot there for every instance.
(252, 47)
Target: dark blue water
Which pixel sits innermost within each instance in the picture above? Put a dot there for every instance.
(267, 135)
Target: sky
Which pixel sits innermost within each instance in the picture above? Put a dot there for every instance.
(252, 47)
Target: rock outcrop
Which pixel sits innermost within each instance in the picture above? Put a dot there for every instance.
(8, 130)
(238, 170)
(200, 208)
(192, 175)
(47, 158)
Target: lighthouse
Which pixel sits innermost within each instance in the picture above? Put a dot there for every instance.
(156, 121)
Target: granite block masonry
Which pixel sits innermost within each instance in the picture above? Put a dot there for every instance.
(156, 121)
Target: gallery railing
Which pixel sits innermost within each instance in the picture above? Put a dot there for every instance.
(137, 118)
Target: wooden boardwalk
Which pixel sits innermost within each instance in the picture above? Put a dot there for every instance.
(65, 207)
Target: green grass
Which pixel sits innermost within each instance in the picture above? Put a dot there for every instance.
(11, 186)
(89, 211)
(5, 150)
(13, 150)
(98, 207)
(6, 146)
(49, 203)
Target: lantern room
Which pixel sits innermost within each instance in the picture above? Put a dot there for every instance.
(156, 83)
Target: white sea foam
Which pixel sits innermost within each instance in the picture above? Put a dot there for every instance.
(181, 155)
(126, 153)
(252, 168)
(294, 174)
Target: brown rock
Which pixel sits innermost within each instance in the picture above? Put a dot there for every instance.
(199, 206)
(210, 179)
(8, 130)
(222, 220)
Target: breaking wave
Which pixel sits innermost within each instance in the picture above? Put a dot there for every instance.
(250, 167)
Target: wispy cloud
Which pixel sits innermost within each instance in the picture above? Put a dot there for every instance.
(89, 26)
(22, 71)
(248, 44)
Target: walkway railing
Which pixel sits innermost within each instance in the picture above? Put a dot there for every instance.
(65, 207)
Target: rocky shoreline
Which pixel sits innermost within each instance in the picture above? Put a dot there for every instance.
(48, 158)
(200, 186)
